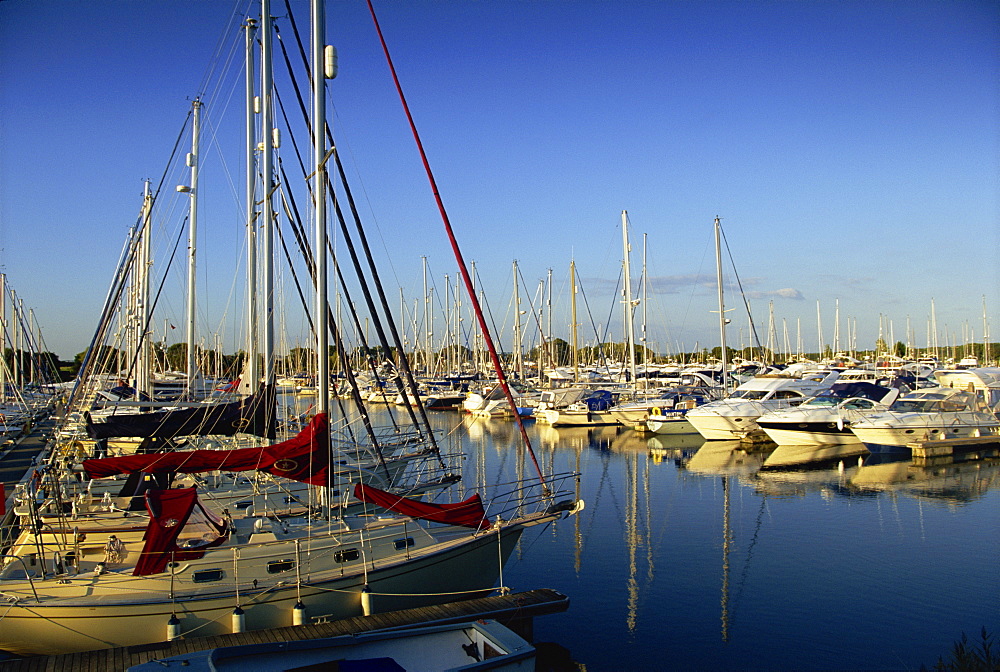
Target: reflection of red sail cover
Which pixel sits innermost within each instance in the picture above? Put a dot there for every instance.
(169, 512)
(469, 513)
(305, 457)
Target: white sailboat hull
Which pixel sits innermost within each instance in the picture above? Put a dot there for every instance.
(112, 610)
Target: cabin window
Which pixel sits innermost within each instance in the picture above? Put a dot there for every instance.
(279, 566)
(207, 575)
(403, 543)
(787, 394)
(245, 504)
(346, 555)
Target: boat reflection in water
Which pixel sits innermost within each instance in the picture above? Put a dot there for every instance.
(725, 458)
(695, 545)
(953, 481)
(816, 456)
(729, 459)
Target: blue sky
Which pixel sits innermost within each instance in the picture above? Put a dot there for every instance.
(850, 148)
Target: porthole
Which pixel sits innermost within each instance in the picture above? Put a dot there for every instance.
(207, 575)
(279, 566)
(346, 555)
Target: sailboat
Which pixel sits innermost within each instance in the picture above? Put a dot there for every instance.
(84, 575)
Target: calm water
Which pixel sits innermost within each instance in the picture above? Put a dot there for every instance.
(686, 557)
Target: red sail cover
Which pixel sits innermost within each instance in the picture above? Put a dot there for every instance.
(177, 514)
(469, 513)
(305, 457)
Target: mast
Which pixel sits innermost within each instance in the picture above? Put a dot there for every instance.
(645, 346)
(629, 304)
(319, 75)
(143, 382)
(192, 162)
(427, 323)
(267, 212)
(772, 336)
(986, 337)
(722, 308)
(576, 350)
(934, 331)
(518, 356)
(819, 331)
(836, 327)
(550, 349)
(252, 366)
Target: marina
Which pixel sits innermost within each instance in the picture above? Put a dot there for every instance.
(693, 555)
(286, 442)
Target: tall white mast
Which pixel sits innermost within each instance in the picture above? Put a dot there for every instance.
(836, 327)
(576, 349)
(722, 308)
(645, 345)
(629, 304)
(192, 162)
(252, 366)
(143, 382)
(986, 337)
(319, 75)
(550, 350)
(267, 168)
(819, 331)
(427, 321)
(518, 357)
(934, 330)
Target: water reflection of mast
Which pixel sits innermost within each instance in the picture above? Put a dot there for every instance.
(577, 533)
(632, 537)
(727, 540)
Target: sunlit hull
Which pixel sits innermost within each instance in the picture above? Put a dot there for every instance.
(111, 610)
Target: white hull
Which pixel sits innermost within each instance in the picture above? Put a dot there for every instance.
(113, 610)
(567, 418)
(667, 425)
(827, 435)
(716, 427)
(902, 430)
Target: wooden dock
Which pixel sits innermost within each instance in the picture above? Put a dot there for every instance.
(515, 610)
(948, 449)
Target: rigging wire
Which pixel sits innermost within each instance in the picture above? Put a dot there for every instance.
(458, 255)
(746, 302)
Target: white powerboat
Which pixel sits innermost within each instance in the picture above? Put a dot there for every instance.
(735, 417)
(826, 418)
(964, 405)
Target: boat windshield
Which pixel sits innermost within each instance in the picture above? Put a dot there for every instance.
(752, 395)
(822, 401)
(934, 402)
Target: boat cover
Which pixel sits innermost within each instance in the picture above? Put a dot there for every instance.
(253, 415)
(174, 514)
(305, 457)
(468, 513)
(857, 389)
